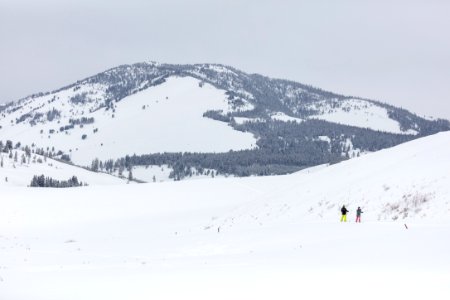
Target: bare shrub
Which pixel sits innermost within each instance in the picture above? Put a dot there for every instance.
(410, 204)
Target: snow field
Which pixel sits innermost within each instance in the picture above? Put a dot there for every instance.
(145, 247)
(162, 173)
(238, 238)
(360, 113)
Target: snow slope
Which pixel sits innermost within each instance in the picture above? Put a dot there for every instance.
(279, 116)
(162, 173)
(167, 117)
(239, 238)
(20, 173)
(359, 113)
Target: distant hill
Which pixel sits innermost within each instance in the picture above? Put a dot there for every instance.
(202, 118)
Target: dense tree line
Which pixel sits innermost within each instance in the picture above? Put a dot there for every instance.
(285, 136)
(53, 114)
(43, 181)
(82, 121)
(408, 121)
(283, 147)
(79, 98)
(217, 115)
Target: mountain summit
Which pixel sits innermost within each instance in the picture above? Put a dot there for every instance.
(204, 118)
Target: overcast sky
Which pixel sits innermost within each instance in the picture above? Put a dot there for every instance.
(396, 51)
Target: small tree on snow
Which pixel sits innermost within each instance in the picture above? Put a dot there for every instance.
(95, 165)
(27, 151)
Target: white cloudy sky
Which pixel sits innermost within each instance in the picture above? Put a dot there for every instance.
(396, 51)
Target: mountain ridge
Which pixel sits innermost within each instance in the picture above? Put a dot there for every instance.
(186, 70)
(272, 126)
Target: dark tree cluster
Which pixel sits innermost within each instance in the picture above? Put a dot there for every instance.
(79, 98)
(82, 121)
(43, 181)
(217, 115)
(409, 121)
(65, 157)
(23, 118)
(66, 127)
(286, 136)
(53, 114)
(36, 118)
(6, 147)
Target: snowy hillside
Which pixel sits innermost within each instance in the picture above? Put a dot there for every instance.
(19, 170)
(151, 108)
(360, 113)
(239, 238)
(407, 182)
(166, 117)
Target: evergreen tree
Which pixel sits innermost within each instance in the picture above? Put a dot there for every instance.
(42, 181)
(27, 151)
(95, 165)
(8, 146)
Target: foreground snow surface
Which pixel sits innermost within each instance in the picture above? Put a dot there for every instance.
(239, 238)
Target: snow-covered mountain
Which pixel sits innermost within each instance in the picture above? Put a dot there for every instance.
(273, 126)
(166, 117)
(239, 238)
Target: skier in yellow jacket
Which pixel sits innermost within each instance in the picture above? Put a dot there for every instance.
(344, 212)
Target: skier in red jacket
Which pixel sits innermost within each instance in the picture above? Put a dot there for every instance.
(358, 215)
